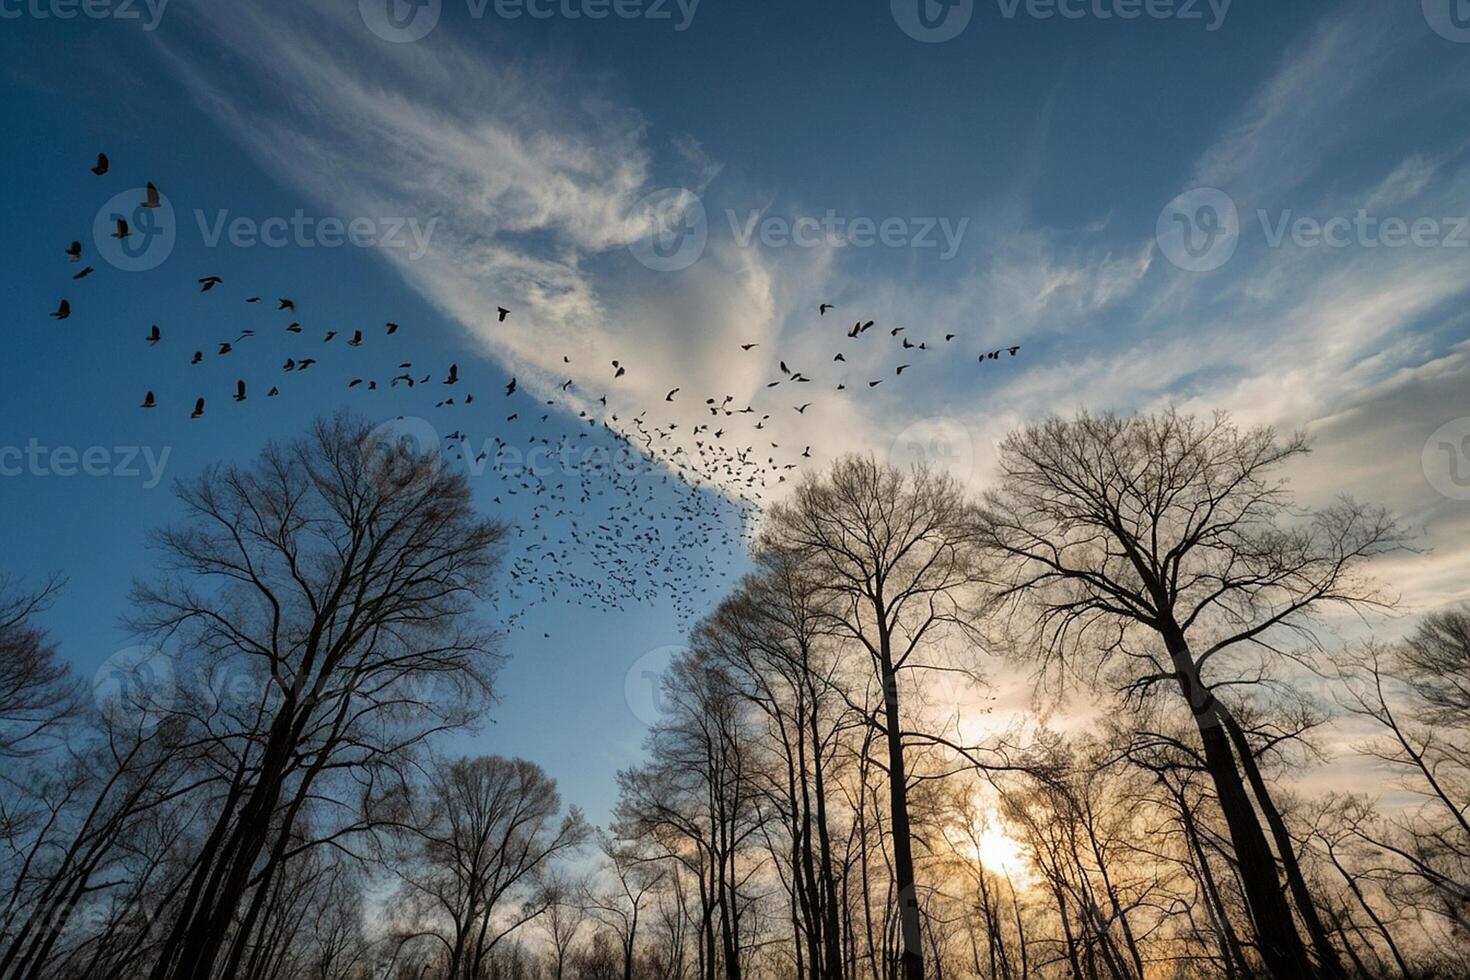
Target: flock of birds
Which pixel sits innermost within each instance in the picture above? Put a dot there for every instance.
(646, 519)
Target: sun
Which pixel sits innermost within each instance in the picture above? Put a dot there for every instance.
(1000, 853)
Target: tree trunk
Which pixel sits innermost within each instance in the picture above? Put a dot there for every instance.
(912, 954)
(1280, 945)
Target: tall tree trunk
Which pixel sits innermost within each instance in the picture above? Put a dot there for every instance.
(1327, 958)
(1280, 945)
(912, 954)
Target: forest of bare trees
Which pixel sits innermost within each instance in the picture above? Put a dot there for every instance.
(1224, 750)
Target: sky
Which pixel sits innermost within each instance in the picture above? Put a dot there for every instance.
(1255, 206)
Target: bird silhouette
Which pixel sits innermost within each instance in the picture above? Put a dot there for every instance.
(102, 165)
(63, 310)
(198, 409)
(148, 401)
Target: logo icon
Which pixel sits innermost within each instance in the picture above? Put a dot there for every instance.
(933, 21)
(1199, 230)
(1446, 459)
(1450, 19)
(151, 232)
(135, 687)
(676, 230)
(400, 21)
(402, 450)
(643, 685)
(940, 443)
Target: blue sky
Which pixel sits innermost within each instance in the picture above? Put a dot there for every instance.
(1050, 148)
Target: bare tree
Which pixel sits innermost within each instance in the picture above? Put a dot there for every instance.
(768, 635)
(1418, 697)
(893, 557)
(37, 693)
(339, 572)
(621, 903)
(1165, 541)
(485, 829)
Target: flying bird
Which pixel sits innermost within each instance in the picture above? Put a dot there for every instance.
(503, 313)
(670, 396)
(287, 304)
(510, 388)
(122, 229)
(822, 309)
(62, 311)
(240, 390)
(209, 282)
(148, 401)
(198, 409)
(453, 378)
(101, 166)
(86, 271)
(151, 200)
(74, 251)
(154, 335)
